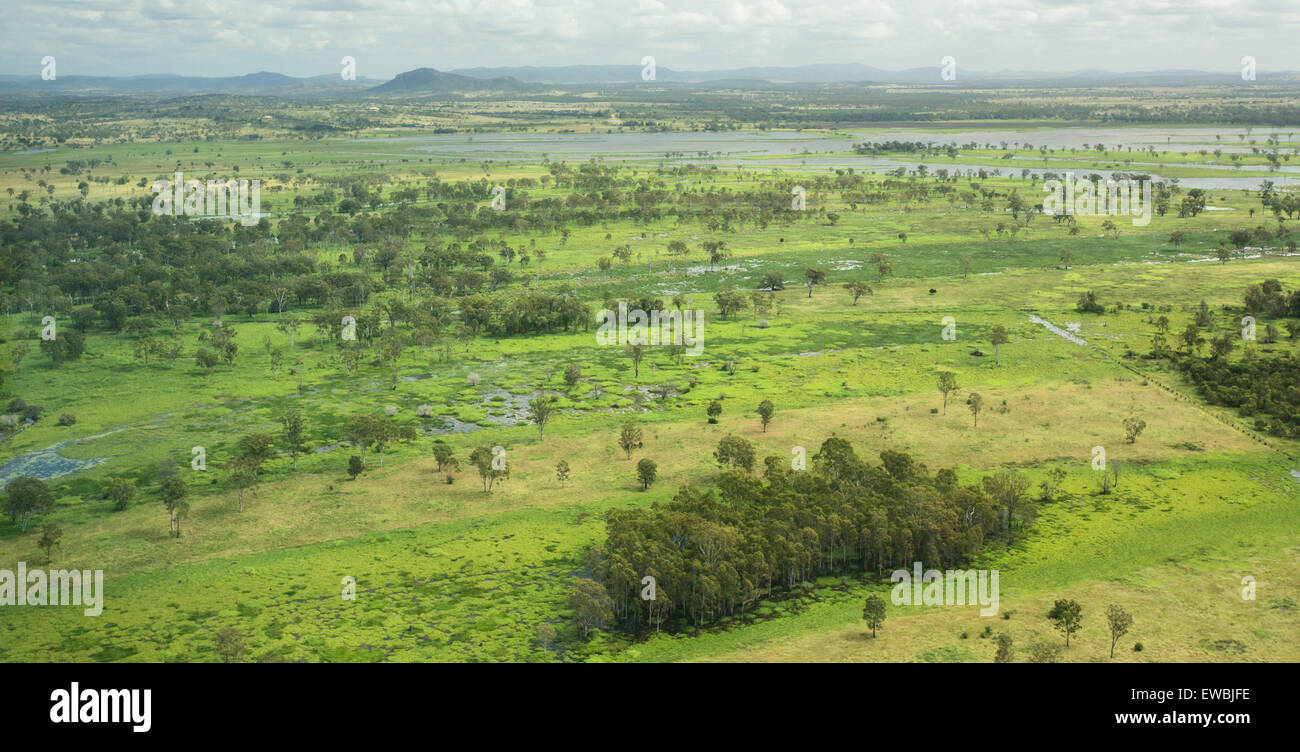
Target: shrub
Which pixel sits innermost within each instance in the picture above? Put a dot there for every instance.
(67, 419)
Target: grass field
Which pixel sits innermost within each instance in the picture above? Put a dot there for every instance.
(445, 571)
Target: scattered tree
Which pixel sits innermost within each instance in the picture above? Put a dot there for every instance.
(629, 438)
(873, 613)
(976, 403)
(541, 409)
(947, 386)
(1119, 621)
(27, 497)
(1066, 615)
(1133, 428)
(645, 472)
(51, 534)
(174, 492)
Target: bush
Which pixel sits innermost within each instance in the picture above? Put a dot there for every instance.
(355, 466)
(1137, 647)
(424, 411)
(67, 419)
(572, 373)
(473, 379)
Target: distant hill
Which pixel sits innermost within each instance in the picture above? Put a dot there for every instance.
(430, 80)
(529, 78)
(854, 72)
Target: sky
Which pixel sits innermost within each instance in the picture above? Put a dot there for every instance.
(386, 37)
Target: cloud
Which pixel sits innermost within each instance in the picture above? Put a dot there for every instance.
(307, 37)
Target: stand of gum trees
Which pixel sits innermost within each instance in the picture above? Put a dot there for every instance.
(716, 554)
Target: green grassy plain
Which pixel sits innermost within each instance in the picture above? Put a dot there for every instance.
(449, 572)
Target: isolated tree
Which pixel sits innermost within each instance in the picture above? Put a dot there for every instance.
(1133, 428)
(947, 386)
(242, 477)
(562, 472)
(713, 411)
(813, 277)
(883, 265)
(230, 645)
(857, 288)
(998, 337)
(483, 459)
(120, 491)
(873, 613)
(629, 438)
(1006, 652)
(541, 409)
(174, 492)
(295, 427)
(355, 466)
(28, 497)
(736, 452)
(572, 372)
(545, 634)
(636, 353)
(1066, 615)
(645, 472)
(445, 457)
(1119, 622)
(765, 412)
(590, 604)
(976, 403)
(51, 534)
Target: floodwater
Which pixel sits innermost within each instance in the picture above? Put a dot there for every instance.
(49, 463)
(809, 151)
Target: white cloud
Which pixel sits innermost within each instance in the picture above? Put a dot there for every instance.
(305, 37)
